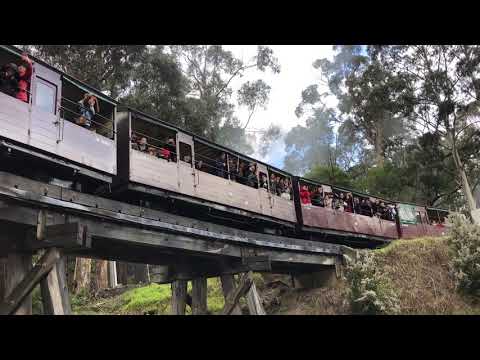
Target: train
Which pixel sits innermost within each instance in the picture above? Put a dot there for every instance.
(40, 139)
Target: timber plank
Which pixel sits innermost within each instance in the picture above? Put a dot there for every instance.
(21, 291)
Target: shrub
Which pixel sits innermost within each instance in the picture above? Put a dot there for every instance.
(369, 292)
(464, 240)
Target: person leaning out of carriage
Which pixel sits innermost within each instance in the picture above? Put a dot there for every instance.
(9, 79)
(24, 77)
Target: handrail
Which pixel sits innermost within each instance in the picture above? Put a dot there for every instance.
(76, 103)
(92, 121)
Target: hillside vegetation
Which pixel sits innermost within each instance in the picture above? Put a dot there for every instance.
(417, 270)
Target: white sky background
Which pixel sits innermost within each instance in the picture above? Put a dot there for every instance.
(296, 74)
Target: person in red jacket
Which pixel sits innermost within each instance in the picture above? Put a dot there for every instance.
(24, 77)
(305, 195)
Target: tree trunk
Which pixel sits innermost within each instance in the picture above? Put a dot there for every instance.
(101, 275)
(142, 274)
(467, 191)
(81, 277)
(122, 272)
(378, 146)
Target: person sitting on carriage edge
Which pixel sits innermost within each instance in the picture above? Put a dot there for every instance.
(24, 77)
(8, 79)
(87, 107)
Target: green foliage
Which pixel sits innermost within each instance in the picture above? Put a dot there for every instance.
(106, 67)
(464, 239)
(210, 70)
(332, 175)
(309, 145)
(368, 291)
(386, 181)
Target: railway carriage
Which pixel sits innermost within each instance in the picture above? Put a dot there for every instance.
(42, 132)
(182, 181)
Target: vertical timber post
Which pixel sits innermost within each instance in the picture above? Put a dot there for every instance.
(254, 302)
(112, 274)
(199, 296)
(228, 285)
(14, 269)
(54, 287)
(179, 297)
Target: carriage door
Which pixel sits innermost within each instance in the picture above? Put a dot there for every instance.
(45, 126)
(185, 162)
(265, 197)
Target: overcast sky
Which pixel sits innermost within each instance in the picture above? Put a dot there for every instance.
(296, 74)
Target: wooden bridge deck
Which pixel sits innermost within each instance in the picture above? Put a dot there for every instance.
(97, 227)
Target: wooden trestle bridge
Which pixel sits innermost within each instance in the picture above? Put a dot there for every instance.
(36, 217)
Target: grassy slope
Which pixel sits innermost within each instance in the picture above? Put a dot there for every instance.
(151, 299)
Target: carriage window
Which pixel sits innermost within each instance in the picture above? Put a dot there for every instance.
(46, 95)
(186, 153)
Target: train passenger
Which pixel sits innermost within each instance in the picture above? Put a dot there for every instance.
(232, 167)
(252, 179)
(221, 166)
(143, 145)
(171, 147)
(356, 205)
(382, 211)
(273, 184)
(305, 195)
(317, 197)
(164, 153)
(87, 107)
(328, 200)
(187, 159)
(374, 204)
(264, 182)
(280, 186)
(242, 173)
(339, 203)
(24, 77)
(152, 151)
(286, 194)
(349, 203)
(393, 212)
(9, 79)
(366, 207)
